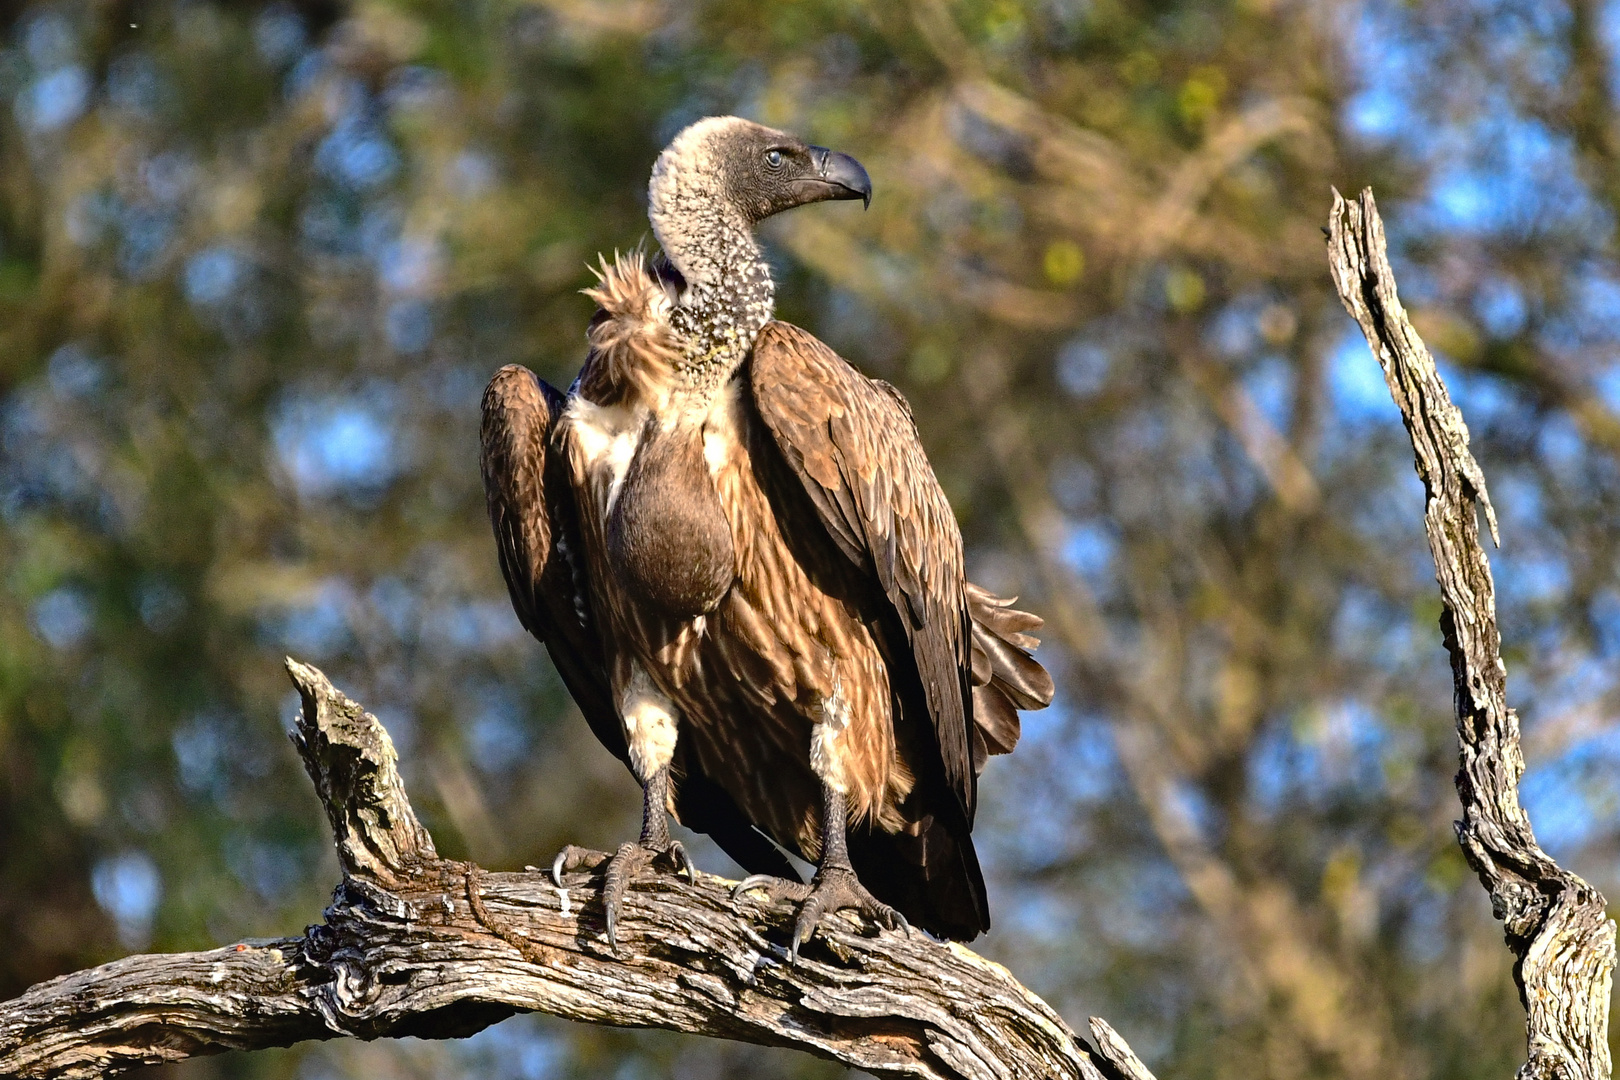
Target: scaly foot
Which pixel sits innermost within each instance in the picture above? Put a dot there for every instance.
(622, 868)
(835, 888)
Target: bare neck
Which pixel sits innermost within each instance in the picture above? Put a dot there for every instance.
(729, 294)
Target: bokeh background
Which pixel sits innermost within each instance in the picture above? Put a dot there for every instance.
(256, 263)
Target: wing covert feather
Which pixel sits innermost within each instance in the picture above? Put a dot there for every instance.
(853, 445)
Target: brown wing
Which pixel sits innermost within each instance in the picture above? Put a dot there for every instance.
(532, 509)
(852, 444)
(1006, 677)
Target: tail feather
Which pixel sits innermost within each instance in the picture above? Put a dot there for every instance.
(1005, 677)
(995, 722)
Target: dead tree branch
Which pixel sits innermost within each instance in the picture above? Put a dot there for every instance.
(418, 945)
(1556, 924)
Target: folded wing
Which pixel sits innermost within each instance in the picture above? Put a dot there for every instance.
(851, 442)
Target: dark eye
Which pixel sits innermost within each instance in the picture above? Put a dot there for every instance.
(773, 158)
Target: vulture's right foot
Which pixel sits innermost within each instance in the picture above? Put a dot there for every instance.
(623, 867)
(631, 860)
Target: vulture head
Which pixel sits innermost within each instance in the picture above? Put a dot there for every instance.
(722, 176)
(748, 172)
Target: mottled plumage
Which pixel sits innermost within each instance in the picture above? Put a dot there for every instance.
(737, 553)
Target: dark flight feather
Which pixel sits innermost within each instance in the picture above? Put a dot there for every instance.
(536, 539)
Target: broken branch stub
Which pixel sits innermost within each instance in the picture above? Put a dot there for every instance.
(1557, 925)
(352, 762)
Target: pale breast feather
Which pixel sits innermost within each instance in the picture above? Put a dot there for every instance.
(720, 430)
(604, 440)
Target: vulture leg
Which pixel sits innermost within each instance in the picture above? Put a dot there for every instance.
(631, 858)
(835, 887)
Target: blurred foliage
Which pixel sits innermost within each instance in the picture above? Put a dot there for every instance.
(256, 263)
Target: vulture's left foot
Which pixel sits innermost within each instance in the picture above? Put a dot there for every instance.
(835, 888)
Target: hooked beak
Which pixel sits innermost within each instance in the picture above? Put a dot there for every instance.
(843, 176)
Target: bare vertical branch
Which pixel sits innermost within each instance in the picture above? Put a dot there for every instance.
(1557, 926)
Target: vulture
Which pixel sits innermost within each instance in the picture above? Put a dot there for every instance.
(735, 551)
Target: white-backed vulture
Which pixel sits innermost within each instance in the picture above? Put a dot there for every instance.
(741, 562)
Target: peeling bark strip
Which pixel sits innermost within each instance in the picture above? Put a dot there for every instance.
(1557, 927)
(418, 945)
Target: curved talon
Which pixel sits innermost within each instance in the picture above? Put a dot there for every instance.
(557, 868)
(630, 860)
(625, 862)
(755, 881)
(683, 861)
(835, 889)
(775, 889)
(804, 927)
(573, 857)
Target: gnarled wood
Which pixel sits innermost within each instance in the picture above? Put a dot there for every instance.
(1557, 926)
(351, 760)
(418, 945)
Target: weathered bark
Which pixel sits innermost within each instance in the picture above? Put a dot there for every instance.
(1556, 924)
(418, 945)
